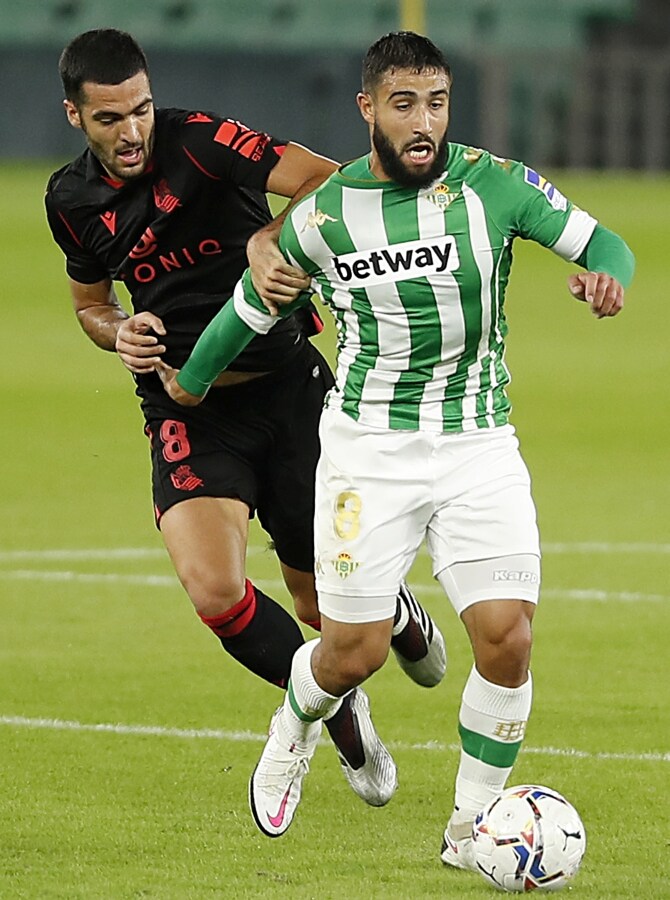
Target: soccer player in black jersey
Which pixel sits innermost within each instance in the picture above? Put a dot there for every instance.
(166, 201)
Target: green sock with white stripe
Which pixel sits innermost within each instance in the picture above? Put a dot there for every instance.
(492, 723)
(305, 703)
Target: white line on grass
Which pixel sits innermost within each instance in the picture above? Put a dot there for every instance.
(103, 553)
(604, 547)
(113, 553)
(100, 553)
(595, 594)
(251, 737)
(431, 590)
(90, 577)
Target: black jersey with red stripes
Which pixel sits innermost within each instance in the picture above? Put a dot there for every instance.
(176, 236)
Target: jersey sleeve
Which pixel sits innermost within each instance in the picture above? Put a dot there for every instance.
(236, 324)
(228, 334)
(531, 207)
(80, 264)
(228, 150)
(290, 243)
(608, 252)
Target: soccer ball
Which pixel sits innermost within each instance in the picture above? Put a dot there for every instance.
(530, 838)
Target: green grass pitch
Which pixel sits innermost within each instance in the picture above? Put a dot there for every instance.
(127, 737)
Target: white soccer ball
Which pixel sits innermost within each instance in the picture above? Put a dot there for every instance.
(530, 838)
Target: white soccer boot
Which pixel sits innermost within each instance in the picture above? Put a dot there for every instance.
(276, 783)
(457, 846)
(417, 642)
(367, 764)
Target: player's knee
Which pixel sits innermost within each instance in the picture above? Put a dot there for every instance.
(503, 652)
(306, 607)
(358, 668)
(303, 592)
(514, 638)
(345, 669)
(212, 593)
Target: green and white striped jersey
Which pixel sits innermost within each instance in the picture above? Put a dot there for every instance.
(416, 280)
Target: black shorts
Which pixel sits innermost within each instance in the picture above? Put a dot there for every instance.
(257, 442)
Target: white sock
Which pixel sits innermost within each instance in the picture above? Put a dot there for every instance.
(492, 723)
(306, 703)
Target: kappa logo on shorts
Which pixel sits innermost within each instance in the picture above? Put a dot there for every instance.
(510, 575)
(185, 479)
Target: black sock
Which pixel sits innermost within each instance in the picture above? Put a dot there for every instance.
(260, 635)
(345, 733)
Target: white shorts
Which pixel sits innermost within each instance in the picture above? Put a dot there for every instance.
(380, 492)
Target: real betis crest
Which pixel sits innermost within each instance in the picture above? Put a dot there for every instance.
(344, 565)
(441, 196)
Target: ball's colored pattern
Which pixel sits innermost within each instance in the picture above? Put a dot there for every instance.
(530, 838)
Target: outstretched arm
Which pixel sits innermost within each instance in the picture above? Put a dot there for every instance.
(225, 337)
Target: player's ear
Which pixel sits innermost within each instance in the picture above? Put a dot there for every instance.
(366, 106)
(72, 113)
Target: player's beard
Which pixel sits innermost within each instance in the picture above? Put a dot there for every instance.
(108, 159)
(396, 169)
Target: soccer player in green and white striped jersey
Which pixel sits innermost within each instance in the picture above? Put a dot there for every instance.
(411, 247)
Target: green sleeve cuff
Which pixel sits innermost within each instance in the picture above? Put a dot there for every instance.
(192, 383)
(223, 339)
(226, 336)
(607, 252)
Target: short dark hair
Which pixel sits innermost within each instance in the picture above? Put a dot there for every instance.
(401, 50)
(103, 56)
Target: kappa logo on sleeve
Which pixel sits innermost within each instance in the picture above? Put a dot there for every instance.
(316, 220)
(553, 195)
(243, 140)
